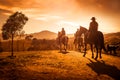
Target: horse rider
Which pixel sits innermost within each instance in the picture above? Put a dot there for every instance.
(63, 33)
(77, 33)
(93, 27)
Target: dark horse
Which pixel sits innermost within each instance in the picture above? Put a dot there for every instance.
(96, 39)
(62, 40)
(78, 42)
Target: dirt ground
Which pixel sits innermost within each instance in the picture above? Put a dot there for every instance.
(52, 65)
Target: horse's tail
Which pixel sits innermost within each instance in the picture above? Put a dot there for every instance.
(101, 38)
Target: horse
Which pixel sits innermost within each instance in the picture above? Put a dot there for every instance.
(94, 39)
(78, 42)
(111, 48)
(62, 40)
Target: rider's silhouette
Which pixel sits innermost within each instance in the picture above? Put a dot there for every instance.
(77, 33)
(63, 33)
(93, 27)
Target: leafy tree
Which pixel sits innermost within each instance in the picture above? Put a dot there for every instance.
(29, 37)
(13, 26)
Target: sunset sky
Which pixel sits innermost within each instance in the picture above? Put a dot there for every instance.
(52, 15)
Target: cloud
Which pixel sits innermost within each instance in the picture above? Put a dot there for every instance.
(5, 11)
(45, 6)
(63, 22)
(101, 5)
(48, 18)
(66, 12)
(59, 6)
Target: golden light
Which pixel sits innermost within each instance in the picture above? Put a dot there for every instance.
(55, 14)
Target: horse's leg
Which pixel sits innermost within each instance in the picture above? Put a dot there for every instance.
(100, 53)
(60, 47)
(92, 50)
(66, 47)
(75, 46)
(85, 50)
(96, 53)
(80, 48)
(114, 51)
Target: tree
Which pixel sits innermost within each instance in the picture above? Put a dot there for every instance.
(13, 26)
(29, 37)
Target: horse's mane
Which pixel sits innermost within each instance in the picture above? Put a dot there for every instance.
(83, 28)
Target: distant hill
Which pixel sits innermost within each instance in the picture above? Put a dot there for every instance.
(112, 38)
(44, 35)
(47, 35)
(113, 34)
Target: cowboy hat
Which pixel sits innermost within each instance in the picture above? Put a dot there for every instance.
(93, 18)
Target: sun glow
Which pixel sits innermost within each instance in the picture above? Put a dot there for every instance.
(52, 15)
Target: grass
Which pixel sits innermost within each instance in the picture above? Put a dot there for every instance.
(52, 65)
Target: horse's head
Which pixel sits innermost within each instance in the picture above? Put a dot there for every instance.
(82, 30)
(59, 34)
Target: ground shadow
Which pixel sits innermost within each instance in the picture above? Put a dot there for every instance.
(63, 52)
(101, 68)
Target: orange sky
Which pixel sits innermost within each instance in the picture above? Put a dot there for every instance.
(52, 15)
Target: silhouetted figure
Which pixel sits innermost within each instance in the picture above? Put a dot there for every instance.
(96, 41)
(93, 30)
(78, 41)
(63, 33)
(111, 48)
(77, 33)
(93, 27)
(62, 39)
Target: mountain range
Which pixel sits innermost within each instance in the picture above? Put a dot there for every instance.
(47, 35)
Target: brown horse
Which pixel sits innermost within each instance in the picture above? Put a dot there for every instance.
(94, 39)
(78, 42)
(62, 40)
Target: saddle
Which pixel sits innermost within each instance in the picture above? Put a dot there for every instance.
(92, 36)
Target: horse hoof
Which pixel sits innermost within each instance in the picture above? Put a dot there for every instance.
(95, 58)
(92, 56)
(100, 57)
(83, 55)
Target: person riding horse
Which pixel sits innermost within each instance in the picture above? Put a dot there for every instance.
(94, 38)
(77, 33)
(78, 41)
(93, 29)
(63, 33)
(62, 39)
